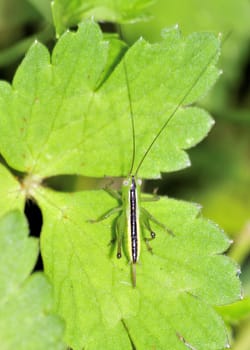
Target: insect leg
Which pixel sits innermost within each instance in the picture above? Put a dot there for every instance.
(113, 193)
(120, 225)
(134, 274)
(153, 198)
(119, 230)
(146, 224)
(106, 215)
(153, 219)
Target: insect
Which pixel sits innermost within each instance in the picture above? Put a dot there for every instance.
(134, 220)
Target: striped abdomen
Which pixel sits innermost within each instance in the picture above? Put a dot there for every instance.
(133, 223)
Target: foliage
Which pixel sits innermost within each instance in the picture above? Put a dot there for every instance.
(94, 289)
(61, 116)
(26, 320)
(69, 13)
(67, 119)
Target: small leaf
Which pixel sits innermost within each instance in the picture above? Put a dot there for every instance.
(69, 13)
(12, 196)
(46, 100)
(26, 321)
(236, 312)
(69, 114)
(43, 7)
(177, 286)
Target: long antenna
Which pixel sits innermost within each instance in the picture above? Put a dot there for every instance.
(177, 108)
(130, 106)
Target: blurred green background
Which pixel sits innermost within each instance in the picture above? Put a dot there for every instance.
(219, 178)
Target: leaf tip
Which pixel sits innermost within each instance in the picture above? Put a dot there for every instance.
(220, 72)
(212, 122)
(220, 35)
(174, 30)
(238, 272)
(198, 206)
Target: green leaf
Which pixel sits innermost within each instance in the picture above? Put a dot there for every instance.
(26, 321)
(177, 286)
(217, 16)
(69, 114)
(69, 13)
(43, 7)
(236, 312)
(12, 194)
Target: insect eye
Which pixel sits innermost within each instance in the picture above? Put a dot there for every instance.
(125, 183)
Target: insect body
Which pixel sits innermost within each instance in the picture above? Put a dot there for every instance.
(131, 200)
(132, 217)
(137, 220)
(134, 220)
